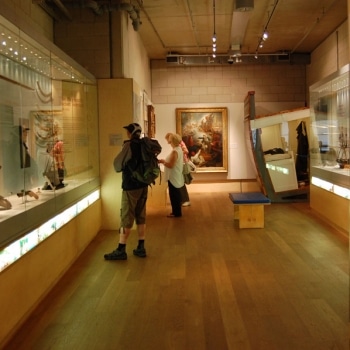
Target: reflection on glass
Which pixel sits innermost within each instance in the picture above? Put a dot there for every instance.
(329, 153)
(48, 132)
(48, 118)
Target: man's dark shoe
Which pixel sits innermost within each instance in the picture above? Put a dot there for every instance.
(116, 255)
(140, 252)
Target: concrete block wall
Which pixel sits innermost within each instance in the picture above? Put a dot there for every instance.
(86, 40)
(28, 16)
(227, 84)
(106, 45)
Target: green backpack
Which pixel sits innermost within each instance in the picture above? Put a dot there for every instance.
(147, 170)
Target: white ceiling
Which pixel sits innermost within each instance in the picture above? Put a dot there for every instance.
(185, 27)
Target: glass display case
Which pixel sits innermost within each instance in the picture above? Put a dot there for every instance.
(48, 133)
(329, 149)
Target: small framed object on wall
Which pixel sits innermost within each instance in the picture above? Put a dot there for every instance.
(151, 121)
(204, 131)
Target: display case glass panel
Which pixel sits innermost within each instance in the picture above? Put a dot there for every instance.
(329, 149)
(48, 133)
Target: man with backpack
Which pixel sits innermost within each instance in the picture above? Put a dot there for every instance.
(134, 195)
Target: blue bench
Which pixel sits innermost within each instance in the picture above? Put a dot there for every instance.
(250, 207)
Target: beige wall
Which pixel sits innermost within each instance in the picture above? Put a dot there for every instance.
(29, 17)
(115, 110)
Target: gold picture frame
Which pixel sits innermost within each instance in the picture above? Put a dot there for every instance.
(204, 131)
(151, 125)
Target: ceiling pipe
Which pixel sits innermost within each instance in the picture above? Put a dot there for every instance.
(317, 21)
(140, 2)
(284, 53)
(193, 25)
(133, 12)
(63, 9)
(208, 60)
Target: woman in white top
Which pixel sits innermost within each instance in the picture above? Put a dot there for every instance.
(173, 167)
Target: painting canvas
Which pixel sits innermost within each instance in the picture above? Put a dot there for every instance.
(204, 131)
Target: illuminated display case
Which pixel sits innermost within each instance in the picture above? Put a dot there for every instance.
(329, 148)
(48, 133)
(329, 152)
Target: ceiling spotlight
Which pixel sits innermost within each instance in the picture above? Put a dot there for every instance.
(214, 33)
(256, 56)
(265, 33)
(214, 55)
(261, 45)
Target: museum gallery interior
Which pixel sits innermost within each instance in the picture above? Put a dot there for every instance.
(258, 92)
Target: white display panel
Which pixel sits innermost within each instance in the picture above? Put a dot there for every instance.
(282, 174)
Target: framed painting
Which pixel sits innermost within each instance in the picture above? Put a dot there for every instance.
(204, 131)
(151, 121)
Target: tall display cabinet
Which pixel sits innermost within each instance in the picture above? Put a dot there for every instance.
(48, 134)
(49, 169)
(329, 148)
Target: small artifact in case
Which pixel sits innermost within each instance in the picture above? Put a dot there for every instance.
(27, 193)
(5, 203)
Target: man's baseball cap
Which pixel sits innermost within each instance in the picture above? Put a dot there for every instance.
(133, 128)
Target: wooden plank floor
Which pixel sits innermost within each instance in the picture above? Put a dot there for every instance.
(205, 285)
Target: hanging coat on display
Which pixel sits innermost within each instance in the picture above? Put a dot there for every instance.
(301, 164)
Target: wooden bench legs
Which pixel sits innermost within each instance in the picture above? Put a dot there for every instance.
(250, 216)
(250, 208)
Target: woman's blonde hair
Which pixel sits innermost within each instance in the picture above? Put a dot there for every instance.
(173, 138)
(179, 137)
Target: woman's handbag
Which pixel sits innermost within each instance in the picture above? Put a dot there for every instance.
(187, 173)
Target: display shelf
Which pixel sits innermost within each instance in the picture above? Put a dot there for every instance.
(22, 204)
(21, 220)
(333, 175)
(331, 187)
(18, 248)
